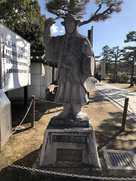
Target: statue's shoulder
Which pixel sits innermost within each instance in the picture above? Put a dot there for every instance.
(59, 37)
(83, 37)
(57, 40)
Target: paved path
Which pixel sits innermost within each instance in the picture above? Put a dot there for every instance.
(118, 94)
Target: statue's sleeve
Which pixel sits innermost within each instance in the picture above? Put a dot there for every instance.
(87, 78)
(52, 43)
(52, 50)
(88, 51)
(89, 59)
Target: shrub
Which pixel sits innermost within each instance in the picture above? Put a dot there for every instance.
(111, 79)
(119, 78)
(110, 75)
(124, 78)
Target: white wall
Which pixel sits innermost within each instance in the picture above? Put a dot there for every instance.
(48, 76)
(55, 74)
(37, 86)
(41, 77)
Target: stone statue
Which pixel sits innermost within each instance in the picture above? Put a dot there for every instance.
(74, 55)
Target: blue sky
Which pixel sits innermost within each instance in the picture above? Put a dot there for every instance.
(111, 32)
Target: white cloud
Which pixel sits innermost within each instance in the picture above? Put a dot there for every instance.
(62, 30)
(54, 29)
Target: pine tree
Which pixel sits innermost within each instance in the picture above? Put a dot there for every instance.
(116, 54)
(77, 7)
(130, 55)
(107, 57)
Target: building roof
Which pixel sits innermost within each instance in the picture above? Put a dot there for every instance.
(38, 56)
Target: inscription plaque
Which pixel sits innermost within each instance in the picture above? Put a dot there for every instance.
(69, 155)
(69, 138)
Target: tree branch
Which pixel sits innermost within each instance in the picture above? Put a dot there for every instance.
(97, 16)
(100, 6)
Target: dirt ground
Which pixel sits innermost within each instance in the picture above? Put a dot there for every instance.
(23, 148)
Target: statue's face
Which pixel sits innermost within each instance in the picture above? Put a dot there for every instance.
(70, 26)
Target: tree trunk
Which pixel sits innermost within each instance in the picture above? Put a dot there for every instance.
(132, 74)
(115, 71)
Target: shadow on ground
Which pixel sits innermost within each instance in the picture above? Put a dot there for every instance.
(41, 107)
(108, 136)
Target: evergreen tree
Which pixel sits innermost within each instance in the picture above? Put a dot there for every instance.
(131, 36)
(116, 54)
(107, 57)
(12, 9)
(24, 17)
(130, 55)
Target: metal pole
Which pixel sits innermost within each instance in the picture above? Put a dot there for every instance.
(33, 111)
(25, 97)
(89, 33)
(124, 114)
(90, 36)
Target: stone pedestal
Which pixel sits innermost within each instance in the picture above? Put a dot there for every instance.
(68, 146)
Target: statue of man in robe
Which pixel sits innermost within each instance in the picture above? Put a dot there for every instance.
(74, 55)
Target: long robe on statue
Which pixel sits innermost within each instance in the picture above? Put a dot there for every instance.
(73, 74)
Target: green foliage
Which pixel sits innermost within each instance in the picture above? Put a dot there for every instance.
(131, 36)
(12, 9)
(112, 6)
(18, 10)
(116, 54)
(107, 57)
(64, 7)
(111, 79)
(118, 78)
(131, 51)
(124, 78)
(110, 75)
(24, 17)
(106, 52)
(130, 55)
(32, 31)
(77, 7)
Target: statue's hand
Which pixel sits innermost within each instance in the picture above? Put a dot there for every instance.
(49, 22)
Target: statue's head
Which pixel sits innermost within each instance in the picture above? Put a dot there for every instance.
(71, 23)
